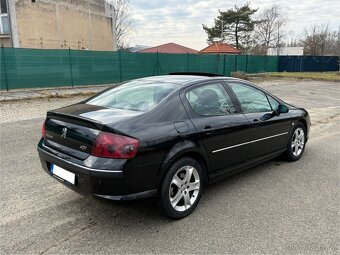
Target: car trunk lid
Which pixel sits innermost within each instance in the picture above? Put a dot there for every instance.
(74, 129)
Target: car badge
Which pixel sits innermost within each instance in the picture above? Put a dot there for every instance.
(64, 132)
(83, 147)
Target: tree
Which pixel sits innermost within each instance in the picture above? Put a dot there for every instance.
(233, 25)
(123, 20)
(319, 40)
(268, 31)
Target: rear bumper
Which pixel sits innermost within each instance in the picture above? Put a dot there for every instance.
(104, 183)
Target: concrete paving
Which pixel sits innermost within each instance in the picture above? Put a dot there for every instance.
(275, 208)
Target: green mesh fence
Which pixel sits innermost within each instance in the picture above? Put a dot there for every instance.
(32, 68)
(28, 68)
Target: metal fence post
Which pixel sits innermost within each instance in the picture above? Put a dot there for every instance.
(157, 71)
(71, 69)
(217, 61)
(187, 62)
(223, 64)
(236, 63)
(120, 66)
(5, 69)
(247, 63)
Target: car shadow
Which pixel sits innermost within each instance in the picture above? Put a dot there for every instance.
(147, 210)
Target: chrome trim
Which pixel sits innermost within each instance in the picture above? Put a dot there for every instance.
(80, 166)
(254, 141)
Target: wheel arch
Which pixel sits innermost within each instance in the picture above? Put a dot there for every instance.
(181, 150)
(304, 123)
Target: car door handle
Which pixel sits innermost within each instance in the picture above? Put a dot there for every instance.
(208, 130)
(256, 122)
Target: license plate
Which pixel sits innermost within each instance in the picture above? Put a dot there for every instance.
(63, 174)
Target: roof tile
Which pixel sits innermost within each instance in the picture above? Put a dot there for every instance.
(220, 48)
(170, 48)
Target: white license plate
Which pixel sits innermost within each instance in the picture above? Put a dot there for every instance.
(63, 174)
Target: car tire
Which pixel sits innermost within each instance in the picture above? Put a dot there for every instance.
(297, 142)
(182, 188)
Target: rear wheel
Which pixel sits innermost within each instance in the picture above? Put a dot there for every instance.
(182, 188)
(296, 144)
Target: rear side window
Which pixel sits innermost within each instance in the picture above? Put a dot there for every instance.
(251, 99)
(210, 100)
(135, 95)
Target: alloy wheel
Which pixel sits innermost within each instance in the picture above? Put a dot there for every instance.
(184, 188)
(298, 141)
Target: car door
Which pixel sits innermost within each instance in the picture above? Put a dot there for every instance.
(223, 130)
(269, 132)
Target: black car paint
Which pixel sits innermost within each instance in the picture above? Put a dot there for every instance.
(166, 133)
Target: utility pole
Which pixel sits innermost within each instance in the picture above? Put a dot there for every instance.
(278, 39)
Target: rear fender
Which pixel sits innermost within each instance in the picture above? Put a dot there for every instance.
(182, 149)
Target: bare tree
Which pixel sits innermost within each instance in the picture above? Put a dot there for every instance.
(268, 31)
(123, 20)
(320, 40)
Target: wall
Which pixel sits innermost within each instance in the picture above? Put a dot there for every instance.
(5, 41)
(286, 51)
(60, 24)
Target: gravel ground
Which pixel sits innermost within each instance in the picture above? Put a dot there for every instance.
(277, 207)
(12, 111)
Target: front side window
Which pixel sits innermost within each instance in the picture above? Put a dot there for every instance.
(210, 100)
(251, 99)
(134, 95)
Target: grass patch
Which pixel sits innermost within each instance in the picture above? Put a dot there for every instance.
(325, 76)
(68, 95)
(240, 75)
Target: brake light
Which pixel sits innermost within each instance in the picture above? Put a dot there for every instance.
(109, 145)
(43, 130)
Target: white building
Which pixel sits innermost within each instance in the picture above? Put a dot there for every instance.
(285, 51)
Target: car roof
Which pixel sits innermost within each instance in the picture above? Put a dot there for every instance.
(184, 79)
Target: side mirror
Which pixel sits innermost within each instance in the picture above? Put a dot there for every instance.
(282, 109)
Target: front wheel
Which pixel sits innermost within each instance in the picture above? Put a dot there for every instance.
(182, 188)
(297, 142)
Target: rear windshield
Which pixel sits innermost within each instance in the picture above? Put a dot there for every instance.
(134, 95)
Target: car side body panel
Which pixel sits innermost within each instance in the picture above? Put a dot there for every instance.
(166, 133)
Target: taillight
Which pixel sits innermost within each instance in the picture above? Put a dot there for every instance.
(43, 130)
(109, 145)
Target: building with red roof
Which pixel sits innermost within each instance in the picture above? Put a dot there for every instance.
(171, 48)
(220, 48)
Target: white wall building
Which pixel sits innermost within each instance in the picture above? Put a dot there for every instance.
(285, 51)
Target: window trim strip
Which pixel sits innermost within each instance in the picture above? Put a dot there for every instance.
(254, 141)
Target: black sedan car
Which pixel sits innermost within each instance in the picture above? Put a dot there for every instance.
(168, 136)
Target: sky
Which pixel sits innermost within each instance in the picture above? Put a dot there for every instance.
(180, 21)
